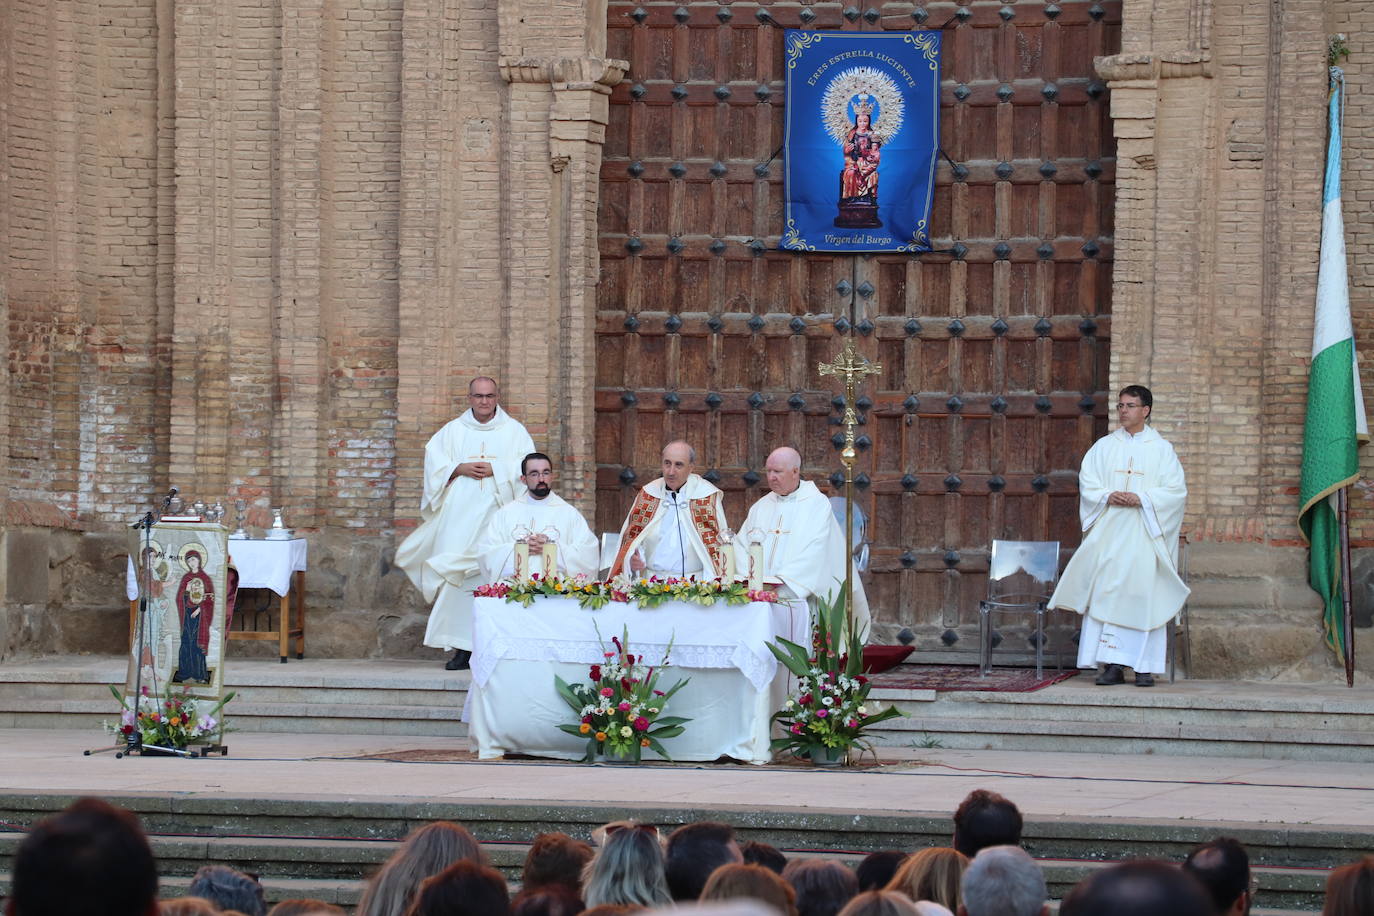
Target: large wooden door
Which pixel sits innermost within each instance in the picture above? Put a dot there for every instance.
(994, 347)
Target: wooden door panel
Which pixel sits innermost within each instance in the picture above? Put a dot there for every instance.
(994, 347)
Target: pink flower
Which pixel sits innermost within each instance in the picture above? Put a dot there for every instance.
(642, 724)
(624, 706)
(796, 729)
(659, 693)
(805, 699)
(607, 692)
(822, 713)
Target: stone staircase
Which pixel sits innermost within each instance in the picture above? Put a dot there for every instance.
(324, 849)
(401, 697)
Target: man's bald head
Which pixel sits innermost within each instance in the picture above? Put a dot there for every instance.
(679, 460)
(784, 470)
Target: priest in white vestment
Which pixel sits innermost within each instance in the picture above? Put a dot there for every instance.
(803, 544)
(1124, 577)
(472, 468)
(675, 526)
(538, 516)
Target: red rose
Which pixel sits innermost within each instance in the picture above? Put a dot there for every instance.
(804, 700)
(596, 672)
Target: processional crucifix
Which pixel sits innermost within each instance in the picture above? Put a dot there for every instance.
(852, 367)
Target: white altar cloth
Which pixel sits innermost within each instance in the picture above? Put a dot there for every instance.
(735, 682)
(260, 564)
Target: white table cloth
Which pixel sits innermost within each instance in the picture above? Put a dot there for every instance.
(261, 564)
(735, 682)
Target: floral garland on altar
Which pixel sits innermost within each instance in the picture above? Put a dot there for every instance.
(592, 594)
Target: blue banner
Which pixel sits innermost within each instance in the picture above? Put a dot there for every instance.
(861, 139)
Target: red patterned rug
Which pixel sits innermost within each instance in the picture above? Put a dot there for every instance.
(966, 677)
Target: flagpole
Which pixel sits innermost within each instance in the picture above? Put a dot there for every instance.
(1347, 618)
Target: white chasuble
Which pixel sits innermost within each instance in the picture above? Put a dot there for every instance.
(678, 534)
(1124, 575)
(440, 556)
(577, 554)
(803, 548)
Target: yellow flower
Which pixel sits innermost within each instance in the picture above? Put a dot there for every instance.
(585, 728)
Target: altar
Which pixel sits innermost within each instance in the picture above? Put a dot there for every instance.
(735, 682)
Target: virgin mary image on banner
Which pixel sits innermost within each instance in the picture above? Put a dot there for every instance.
(861, 135)
(850, 117)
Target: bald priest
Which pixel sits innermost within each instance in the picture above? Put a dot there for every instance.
(803, 544)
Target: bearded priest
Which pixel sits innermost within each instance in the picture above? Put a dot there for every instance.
(472, 467)
(539, 516)
(674, 527)
(1124, 577)
(803, 545)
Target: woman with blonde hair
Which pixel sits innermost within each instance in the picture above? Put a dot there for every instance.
(424, 853)
(932, 874)
(755, 882)
(627, 869)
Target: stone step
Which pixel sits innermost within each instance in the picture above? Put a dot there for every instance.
(397, 698)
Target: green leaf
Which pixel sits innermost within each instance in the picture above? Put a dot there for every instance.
(671, 731)
(569, 696)
(671, 720)
(658, 748)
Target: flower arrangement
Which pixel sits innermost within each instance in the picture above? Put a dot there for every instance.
(620, 712)
(589, 593)
(174, 720)
(592, 594)
(827, 715)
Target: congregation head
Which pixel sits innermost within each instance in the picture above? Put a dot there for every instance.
(465, 888)
(1222, 866)
(1350, 889)
(229, 889)
(880, 903)
(627, 869)
(549, 900)
(693, 851)
(934, 874)
(426, 851)
(986, 819)
(751, 882)
(823, 887)
(1003, 881)
(92, 859)
(305, 906)
(1139, 888)
(555, 859)
(770, 857)
(878, 868)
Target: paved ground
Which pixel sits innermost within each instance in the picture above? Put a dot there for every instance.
(918, 781)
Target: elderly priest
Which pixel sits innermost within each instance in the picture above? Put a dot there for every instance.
(803, 545)
(675, 524)
(542, 520)
(1124, 577)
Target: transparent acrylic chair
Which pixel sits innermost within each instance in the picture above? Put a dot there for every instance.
(1021, 577)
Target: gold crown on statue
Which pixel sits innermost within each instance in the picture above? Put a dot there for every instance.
(864, 106)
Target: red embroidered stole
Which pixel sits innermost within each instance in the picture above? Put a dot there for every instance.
(703, 514)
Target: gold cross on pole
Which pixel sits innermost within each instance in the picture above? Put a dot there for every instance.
(852, 367)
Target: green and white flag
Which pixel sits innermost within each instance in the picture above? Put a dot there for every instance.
(1336, 424)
